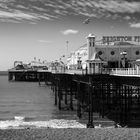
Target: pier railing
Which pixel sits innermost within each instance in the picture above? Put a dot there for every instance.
(125, 71)
(82, 71)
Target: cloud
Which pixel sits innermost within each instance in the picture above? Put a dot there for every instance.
(44, 41)
(17, 15)
(69, 31)
(116, 6)
(135, 25)
(27, 10)
(33, 23)
(127, 17)
(36, 10)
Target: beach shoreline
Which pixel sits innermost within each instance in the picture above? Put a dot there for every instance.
(70, 134)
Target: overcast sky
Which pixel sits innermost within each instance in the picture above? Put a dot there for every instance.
(40, 28)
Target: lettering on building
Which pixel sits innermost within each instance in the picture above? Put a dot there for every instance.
(108, 39)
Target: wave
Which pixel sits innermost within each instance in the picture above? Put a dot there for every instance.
(19, 122)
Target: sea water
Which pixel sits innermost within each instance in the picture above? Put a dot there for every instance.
(28, 104)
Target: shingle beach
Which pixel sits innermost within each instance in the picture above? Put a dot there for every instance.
(70, 134)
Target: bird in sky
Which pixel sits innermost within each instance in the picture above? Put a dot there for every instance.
(86, 21)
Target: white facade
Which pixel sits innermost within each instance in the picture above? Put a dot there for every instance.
(79, 58)
(109, 52)
(79, 55)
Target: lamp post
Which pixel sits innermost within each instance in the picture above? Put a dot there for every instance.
(79, 61)
(62, 61)
(62, 58)
(67, 43)
(124, 53)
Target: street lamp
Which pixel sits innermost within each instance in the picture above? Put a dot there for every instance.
(61, 58)
(67, 45)
(124, 53)
(79, 61)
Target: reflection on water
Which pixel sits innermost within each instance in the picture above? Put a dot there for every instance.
(28, 100)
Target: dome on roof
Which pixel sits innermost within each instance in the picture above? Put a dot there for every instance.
(91, 35)
(138, 60)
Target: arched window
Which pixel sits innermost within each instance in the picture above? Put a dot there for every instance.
(112, 52)
(90, 44)
(137, 52)
(100, 52)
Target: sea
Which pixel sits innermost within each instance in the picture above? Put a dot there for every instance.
(26, 104)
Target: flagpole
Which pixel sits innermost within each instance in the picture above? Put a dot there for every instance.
(67, 42)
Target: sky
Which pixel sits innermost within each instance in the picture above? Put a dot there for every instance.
(42, 28)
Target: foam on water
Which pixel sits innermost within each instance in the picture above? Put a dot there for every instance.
(54, 123)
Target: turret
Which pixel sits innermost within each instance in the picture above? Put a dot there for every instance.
(91, 51)
(90, 45)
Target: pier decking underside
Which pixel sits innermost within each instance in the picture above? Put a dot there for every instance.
(114, 97)
(23, 75)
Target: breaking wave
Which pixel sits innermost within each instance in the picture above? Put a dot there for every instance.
(19, 122)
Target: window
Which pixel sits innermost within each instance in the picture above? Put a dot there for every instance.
(90, 44)
(100, 52)
(137, 52)
(112, 52)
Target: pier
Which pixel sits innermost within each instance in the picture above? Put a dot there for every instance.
(106, 82)
(111, 96)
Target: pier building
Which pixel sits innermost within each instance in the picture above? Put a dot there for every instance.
(110, 52)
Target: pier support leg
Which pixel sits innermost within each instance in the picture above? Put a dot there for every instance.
(46, 78)
(66, 91)
(71, 97)
(79, 110)
(90, 119)
(55, 90)
(59, 99)
(39, 79)
(102, 96)
(59, 96)
(78, 101)
(53, 84)
(10, 76)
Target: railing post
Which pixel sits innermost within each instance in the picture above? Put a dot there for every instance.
(137, 70)
(116, 71)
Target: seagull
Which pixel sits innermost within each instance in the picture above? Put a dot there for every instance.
(99, 126)
(117, 125)
(86, 21)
